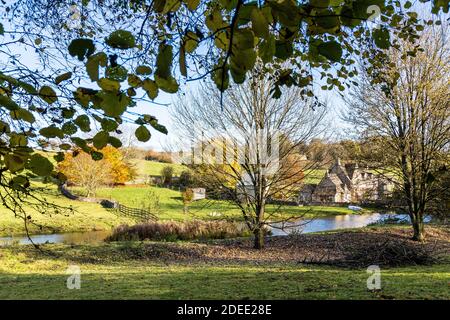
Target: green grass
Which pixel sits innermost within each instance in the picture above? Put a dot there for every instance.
(172, 205)
(109, 271)
(91, 216)
(85, 217)
(145, 168)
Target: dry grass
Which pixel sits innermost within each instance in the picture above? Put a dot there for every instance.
(386, 247)
(173, 231)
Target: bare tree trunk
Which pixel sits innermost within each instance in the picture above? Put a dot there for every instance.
(418, 226)
(258, 228)
(259, 238)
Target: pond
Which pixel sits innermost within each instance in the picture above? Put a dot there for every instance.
(67, 238)
(303, 226)
(333, 223)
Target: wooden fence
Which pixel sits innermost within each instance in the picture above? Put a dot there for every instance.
(136, 213)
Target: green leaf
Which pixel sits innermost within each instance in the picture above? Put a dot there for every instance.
(320, 3)
(108, 124)
(381, 38)
(214, 20)
(134, 81)
(18, 140)
(164, 61)
(328, 20)
(121, 39)
(192, 4)
(40, 165)
(267, 49)
(113, 104)
(59, 156)
(243, 60)
(93, 63)
(244, 39)
(190, 41)
(63, 77)
(118, 73)
(151, 88)
(81, 48)
(48, 94)
(13, 162)
(8, 103)
(22, 114)
(143, 70)
(83, 122)
(96, 156)
(331, 50)
(168, 85)
(51, 132)
(19, 182)
(142, 134)
(69, 128)
(4, 127)
(27, 87)
(2, 30)
(283, 49)
(100, 140)
(260, 25)
(115, 142)
(109, 84)
(182, 62)
(221, 77)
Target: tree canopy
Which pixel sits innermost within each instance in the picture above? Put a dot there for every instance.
(97, 58)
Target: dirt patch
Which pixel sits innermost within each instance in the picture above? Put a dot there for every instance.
(383, 246)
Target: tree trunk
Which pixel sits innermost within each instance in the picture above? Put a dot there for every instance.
(418, 226)
(259, 238)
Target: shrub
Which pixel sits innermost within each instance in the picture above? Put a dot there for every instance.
(152, 155)
(185, 179)
(167, 174)
(173, 231)
(188, 197)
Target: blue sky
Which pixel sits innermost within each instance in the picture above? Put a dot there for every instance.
(165, 100)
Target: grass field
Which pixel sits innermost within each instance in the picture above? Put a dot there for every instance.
(172, 205)
(145, 167)
(116, 271)
(91, 216)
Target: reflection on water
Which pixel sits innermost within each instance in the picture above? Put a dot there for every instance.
(301, 226)
(332, 223)
(67, 238)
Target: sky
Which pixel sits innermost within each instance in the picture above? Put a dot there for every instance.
(164, 101)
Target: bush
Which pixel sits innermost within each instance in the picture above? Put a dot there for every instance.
(185, 179)
(173, 231)
(152, 155)
(167, 174)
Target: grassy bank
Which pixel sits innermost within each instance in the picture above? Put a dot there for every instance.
(91, 216)
(121, 271)
(172, 205)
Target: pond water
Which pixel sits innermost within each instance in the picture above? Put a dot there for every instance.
(332, 223)
(303, 226)
(67, 238)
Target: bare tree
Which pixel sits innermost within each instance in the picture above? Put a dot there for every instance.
(246, 144)
(407, 118)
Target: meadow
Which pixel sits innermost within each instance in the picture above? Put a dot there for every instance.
(124, 271)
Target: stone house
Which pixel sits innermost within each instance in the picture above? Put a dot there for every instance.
(347, 184)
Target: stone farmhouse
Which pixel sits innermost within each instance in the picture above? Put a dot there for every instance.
(347, 184)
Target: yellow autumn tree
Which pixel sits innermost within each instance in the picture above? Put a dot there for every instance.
(80, 169)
